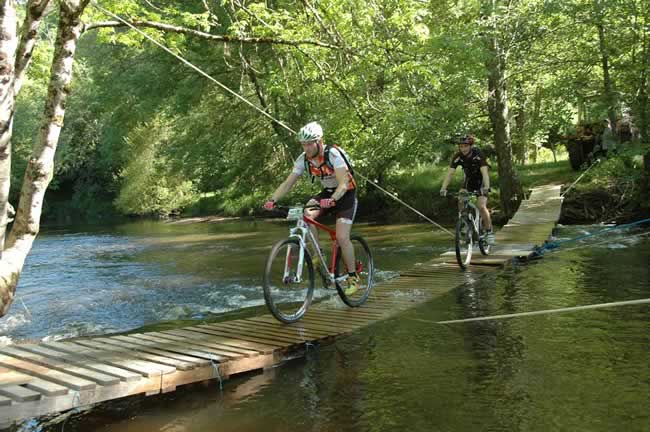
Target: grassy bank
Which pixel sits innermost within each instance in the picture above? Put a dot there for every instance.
(612, 190)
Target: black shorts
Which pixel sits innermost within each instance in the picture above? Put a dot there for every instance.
(474, 185)
(345, 208)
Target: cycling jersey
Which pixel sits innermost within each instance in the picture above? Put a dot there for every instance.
(322, 170)
(471, 164)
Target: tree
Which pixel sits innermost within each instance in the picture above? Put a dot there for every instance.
(41, 164)
(496, 66)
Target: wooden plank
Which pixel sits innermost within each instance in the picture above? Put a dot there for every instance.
(233, 342)
(116, 358)
(47, 388)
(114, 367)
(202, 352)
(11, 377)
(341, 327)
(296, 329)
(19, 394)
(246, 336)
(198, 345)
(346, 315)
(140, 354)
(310, 324)
(204, 339)
(276, 335)
(45, 373)
(299, 330)
(224, 332)
(131, 356)
(57, 364)
(234, 327)
(147, 346)
(89, 363)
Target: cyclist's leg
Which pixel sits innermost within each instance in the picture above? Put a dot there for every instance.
(485, 213)
(346, 210)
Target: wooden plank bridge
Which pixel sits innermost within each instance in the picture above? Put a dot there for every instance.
(49, 377)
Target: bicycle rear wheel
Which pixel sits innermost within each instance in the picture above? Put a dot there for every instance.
(464, 243)
(288, 288)
(365, 269)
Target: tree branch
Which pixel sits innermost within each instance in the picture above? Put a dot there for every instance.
(208, 36)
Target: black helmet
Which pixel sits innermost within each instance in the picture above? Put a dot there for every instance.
(466, 139)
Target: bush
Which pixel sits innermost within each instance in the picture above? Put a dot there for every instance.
(148, 185)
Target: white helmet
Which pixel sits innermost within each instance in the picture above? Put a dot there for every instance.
(310, 132)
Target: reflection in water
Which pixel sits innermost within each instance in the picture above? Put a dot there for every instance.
(581, 371)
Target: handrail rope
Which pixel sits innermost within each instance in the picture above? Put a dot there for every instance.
(579, 177)
(594, 244)
(539, 312)
(247, 102)
(553, 245)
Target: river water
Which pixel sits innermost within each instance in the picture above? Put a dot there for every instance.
(578, 371)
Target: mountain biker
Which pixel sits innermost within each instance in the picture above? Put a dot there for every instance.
(330, 165)
(477, 179)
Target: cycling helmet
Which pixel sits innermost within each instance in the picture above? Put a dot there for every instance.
(310, 132)
(466, 139)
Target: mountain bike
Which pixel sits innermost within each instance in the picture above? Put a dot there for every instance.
(468, 229)
(289, 274)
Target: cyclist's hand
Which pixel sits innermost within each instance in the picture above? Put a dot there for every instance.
(269, 205)
(443, 192)
(327, 203)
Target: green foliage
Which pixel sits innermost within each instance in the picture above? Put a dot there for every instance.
(403, 79)
(149, 186)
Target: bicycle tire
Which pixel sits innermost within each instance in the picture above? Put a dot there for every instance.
(365, 268)
(286, 298)
(463, 238)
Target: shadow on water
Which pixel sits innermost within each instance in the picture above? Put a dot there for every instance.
(579, 371)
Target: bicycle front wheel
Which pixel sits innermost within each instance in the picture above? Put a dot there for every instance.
(483, 245)
(365, 269)
(464, 243)
(288, 282)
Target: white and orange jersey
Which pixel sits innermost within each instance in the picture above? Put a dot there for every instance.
(319, 168)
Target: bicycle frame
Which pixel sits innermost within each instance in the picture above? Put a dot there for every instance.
(302, 232)
(470, 212)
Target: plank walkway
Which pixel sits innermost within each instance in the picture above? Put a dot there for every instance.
(49, 377)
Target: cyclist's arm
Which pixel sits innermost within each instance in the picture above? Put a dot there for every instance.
(285, 187)
(445, 182)
(342, 179)
(486, 177)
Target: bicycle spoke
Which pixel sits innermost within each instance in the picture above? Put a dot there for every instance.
(288, 281)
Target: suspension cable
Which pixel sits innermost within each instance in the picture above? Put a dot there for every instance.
(247, 102)
(578, 179)
(540, 312)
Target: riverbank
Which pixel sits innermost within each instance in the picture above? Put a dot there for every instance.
(615, 191)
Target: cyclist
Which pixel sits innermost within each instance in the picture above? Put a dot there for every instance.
(477, 179)
(330, 165)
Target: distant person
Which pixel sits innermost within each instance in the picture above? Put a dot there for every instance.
(477, 179)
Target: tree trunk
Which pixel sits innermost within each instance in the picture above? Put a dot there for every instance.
(8, 44)
(510, 188)
(28, 34)
(610, 96)
(40, 167)
(14, 62)
(643, 110)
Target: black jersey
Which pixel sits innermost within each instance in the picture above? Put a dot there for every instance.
(471, 164)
